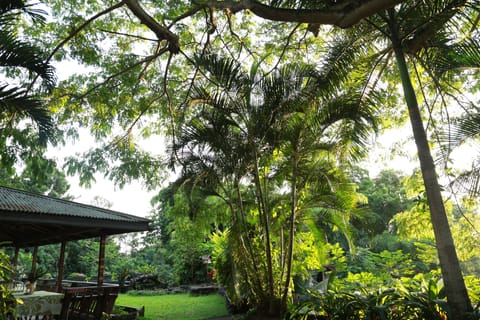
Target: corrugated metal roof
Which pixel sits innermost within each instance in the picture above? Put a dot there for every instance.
(21, 201)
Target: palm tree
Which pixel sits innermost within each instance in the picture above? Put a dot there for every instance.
(250, 136)
(15, 101)
(461, 131)
(428, 35)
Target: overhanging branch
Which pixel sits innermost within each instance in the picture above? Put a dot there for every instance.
(344, 15)
(160, 31)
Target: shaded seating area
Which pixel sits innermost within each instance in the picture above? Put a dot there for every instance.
(29, 220)
(88, 302)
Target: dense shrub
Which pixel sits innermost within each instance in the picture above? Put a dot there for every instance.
(422, 297)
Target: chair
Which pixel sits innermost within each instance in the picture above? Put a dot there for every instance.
(109, 297)
(88, 303)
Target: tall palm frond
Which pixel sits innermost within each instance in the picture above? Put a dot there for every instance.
(17, 53)
(14, 100)
(469, 180)
(448, 57)
(10, 9)
(353, 119)
(338, 63)
(226, 73)
(336, 205)
(461, 131)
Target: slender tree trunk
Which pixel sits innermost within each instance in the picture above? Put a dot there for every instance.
(456, 291)
(266, 227)
(291, 235)
(246, 242)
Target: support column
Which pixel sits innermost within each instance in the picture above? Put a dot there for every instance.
(61, 262)
(101, 260)
(34, 261)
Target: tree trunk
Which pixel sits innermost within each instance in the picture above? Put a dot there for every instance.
(263, 211)
(291, 236)
(456, 291)
(246, 241)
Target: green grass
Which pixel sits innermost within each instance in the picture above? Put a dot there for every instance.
(176, 306)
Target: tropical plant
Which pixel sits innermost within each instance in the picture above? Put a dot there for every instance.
(423, 298)
(26, 124)
(250, 136)
(7, 300)
(460, 132)
(16, 102)
(420, 32)
(386, 196)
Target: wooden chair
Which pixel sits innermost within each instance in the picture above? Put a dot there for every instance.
(88, 303)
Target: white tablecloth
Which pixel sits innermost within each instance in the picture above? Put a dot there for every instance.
(39, 303)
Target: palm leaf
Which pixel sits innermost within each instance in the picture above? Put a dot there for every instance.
(14, 100)
(316, 219)
(451, 57)
(226, 73)
(468, 181)
(352, 121)
(9, 9)
(462, 129)
(16, 53)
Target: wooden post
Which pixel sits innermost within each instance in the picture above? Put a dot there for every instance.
(101, 260)
(32, 277)
(34, 261)
(61, 263)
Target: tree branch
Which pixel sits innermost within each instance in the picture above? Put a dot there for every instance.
(162, 32)
(345, 15)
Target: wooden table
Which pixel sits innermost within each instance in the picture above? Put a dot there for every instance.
(39, 305)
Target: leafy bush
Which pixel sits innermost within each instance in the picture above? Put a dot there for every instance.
(7, 300)
(421, 298)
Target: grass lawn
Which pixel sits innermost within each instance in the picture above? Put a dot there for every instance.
(176, 306)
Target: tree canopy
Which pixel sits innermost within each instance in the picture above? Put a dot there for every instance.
(141, 70)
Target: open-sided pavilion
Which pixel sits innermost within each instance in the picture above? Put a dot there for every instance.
(29, 220)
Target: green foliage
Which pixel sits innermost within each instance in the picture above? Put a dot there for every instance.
(415, 225)
(7, 300)
(39, 175)
(20, 60)
(387, 196)
(246, 143)
(173, 250)
(26, 124)
(473, 286)
(265, 155)
(228, 274)
(421, 298)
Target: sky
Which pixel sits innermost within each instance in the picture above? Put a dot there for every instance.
(132, 199)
